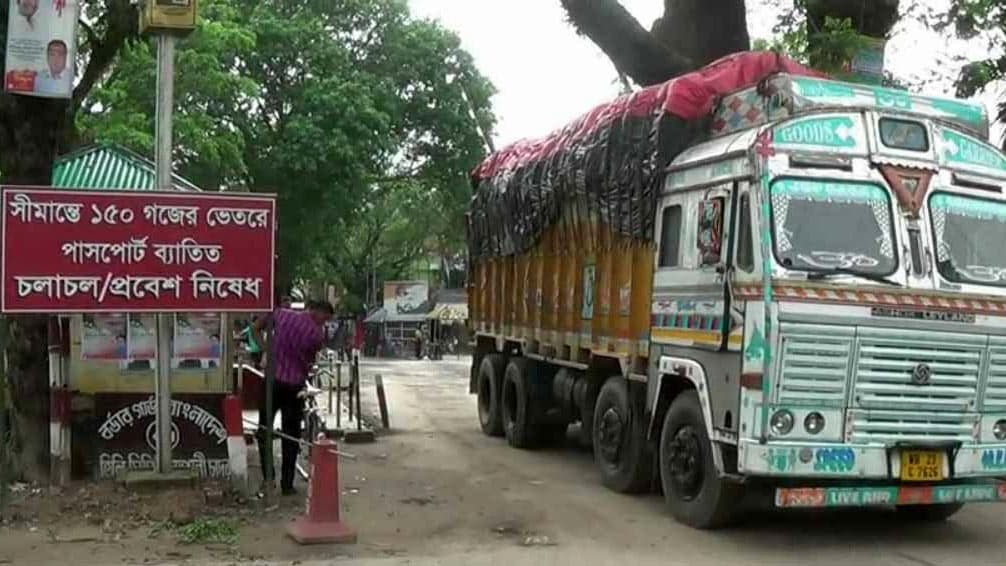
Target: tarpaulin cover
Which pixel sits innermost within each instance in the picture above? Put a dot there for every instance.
(609, 161)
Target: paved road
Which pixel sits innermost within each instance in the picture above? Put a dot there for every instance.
(461, 498)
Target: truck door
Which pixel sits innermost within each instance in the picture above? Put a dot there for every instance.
(689, 303)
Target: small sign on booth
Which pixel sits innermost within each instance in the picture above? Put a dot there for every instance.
(168, 16)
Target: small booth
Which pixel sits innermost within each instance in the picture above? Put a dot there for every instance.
(109, 358)
(448, 323)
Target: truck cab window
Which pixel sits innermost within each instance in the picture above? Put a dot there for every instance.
(745, 242)
(670, 237)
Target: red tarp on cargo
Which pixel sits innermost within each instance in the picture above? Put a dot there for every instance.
(612, 153)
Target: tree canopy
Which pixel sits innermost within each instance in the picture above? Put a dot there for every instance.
(341, 108)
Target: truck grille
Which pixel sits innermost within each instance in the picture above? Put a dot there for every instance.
(815, 364)
(887, 358)
(885, 406)
(995, 389)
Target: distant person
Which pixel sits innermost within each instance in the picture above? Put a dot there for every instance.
(215, 347)
(418, 338)
(296, 339)
(121, 351)
(252, 345)
(56, 78)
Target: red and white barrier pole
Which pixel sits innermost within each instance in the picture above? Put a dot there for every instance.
(59, 407)
(321, 523)
(237, 450)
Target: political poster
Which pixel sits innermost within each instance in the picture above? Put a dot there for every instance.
(103, 337)
(197, 337)
(142, 337)
(41, 47)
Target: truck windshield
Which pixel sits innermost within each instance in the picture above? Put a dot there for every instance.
(969, 233)
(833, 226)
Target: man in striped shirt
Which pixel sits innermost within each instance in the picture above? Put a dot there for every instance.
(296, 339)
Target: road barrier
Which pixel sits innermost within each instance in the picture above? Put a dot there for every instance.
(321, 522)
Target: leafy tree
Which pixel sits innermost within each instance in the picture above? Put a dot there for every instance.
(979, 21)
(336, 106)
(32, 132)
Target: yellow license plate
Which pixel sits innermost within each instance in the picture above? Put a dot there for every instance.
(921, 465)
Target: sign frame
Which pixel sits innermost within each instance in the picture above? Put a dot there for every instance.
(132, 193)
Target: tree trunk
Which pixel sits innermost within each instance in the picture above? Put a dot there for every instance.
(703, 30)
(873, 18)
(692, 33)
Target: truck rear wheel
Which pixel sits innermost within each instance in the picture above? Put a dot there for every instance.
(517, 405)
(490, 386)
(620, 448)
(693, 490)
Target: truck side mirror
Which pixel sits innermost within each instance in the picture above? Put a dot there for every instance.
(710, 232)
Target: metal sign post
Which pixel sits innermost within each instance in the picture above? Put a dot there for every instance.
(162, 154)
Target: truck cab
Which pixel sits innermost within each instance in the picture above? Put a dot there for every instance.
(829, 277)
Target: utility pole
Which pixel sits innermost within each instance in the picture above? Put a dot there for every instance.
(162, 153)
(168, 21)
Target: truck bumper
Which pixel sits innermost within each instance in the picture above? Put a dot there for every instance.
(860, 461)
(971, 492)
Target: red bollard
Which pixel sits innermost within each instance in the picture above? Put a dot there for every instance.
(321, 524)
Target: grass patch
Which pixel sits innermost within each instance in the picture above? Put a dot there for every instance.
(208, 531)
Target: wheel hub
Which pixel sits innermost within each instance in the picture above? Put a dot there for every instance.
(610, 435)
(684, 459)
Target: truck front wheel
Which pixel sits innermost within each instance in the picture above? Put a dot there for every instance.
(619, 438)
(693, 490)
(489, 388)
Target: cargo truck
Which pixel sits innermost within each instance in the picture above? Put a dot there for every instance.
(752, 277)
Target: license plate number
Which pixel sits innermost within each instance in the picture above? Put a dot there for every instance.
(921, 465)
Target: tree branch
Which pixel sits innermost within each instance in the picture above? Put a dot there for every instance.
(122, 23)
(634, 51)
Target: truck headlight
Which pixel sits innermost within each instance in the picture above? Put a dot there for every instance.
(999, 429)
(813, 423)
(781, 422)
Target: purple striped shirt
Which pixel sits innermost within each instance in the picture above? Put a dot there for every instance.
(297, 341)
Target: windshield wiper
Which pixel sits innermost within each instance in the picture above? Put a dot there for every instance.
(818, 275)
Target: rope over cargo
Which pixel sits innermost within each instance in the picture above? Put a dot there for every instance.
(607, 164)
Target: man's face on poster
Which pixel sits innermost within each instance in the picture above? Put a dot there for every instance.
(27, 8)
(56, 55)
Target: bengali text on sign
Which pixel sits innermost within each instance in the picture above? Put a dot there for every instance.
(133, 251)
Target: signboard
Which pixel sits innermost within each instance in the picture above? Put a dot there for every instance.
(171, 16)
(842, 133)
(127, 438)
(72, 251)
(965, 151)
(41, 47)
(406, 297)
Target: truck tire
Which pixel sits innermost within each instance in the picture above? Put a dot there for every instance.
(619, 438)
(928, 513)
(694, 492)
(489, 388)
(517, 424)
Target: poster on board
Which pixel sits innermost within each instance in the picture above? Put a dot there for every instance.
(103, 337)
(41, 47)
(142, 337)
(197, 338)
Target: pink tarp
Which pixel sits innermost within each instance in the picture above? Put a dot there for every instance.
(688, 97)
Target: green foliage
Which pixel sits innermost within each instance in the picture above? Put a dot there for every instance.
(208, 531)
(347, 110)
(979, 21)
(830, 48)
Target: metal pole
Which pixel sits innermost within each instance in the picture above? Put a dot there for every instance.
(162, 157)
(269, 472)
(356, 378)
(338, 395)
